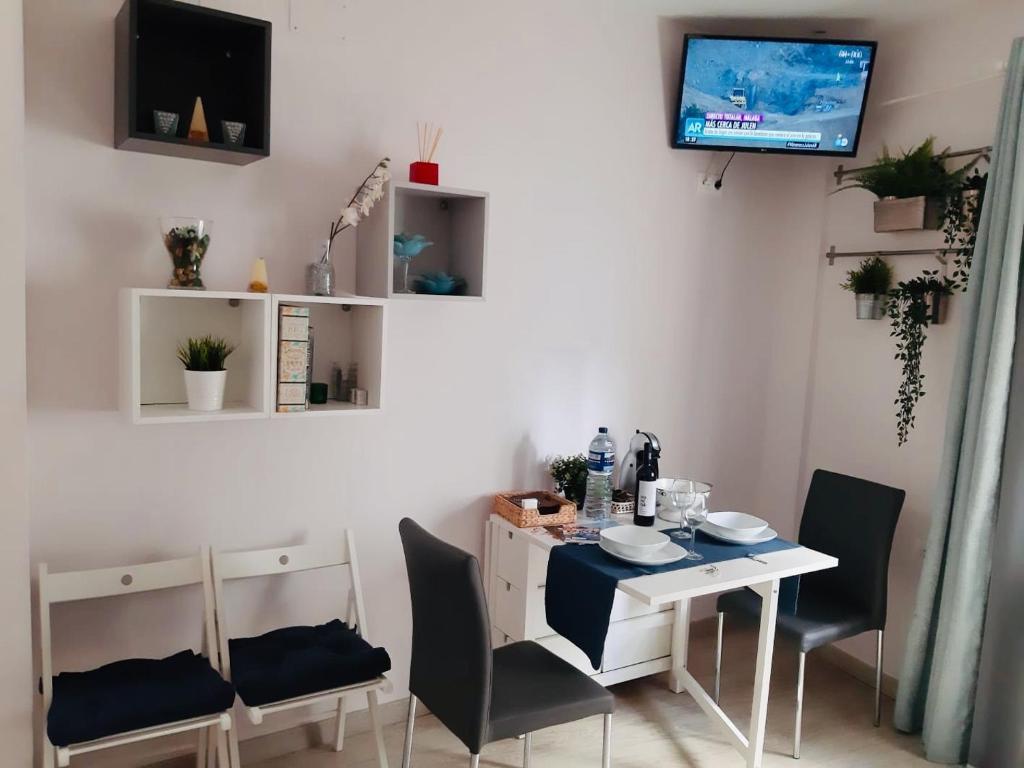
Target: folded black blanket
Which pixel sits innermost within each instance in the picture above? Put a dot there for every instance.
(297, 661)
(134, 693)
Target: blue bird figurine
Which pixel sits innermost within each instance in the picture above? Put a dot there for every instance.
(407, 247)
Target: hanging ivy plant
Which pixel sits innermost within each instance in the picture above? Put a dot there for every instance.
(915, 304)
(960, 226)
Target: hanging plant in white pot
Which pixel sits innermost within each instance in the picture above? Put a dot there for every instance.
(205, 375)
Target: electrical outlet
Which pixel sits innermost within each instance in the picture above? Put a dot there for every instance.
(706, 184)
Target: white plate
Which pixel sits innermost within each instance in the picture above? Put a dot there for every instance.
(738, 523)
(766, 535)
(670, 553)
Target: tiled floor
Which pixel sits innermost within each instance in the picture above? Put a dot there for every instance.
(654, 727)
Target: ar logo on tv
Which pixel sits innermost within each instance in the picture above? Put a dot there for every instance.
(694, 126)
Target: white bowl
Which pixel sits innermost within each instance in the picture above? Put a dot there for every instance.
(633, 540)
(736, 524)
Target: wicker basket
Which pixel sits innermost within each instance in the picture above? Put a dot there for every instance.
(507, 505)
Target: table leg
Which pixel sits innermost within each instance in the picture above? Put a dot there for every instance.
(680, 645)
(769, 592)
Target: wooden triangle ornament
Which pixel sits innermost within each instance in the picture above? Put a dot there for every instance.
(197, 130)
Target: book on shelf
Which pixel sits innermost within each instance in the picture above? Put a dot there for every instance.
(293, 358)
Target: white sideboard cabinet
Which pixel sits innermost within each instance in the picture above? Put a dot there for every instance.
(515, 567)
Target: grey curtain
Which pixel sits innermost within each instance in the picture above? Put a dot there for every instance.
(940, 669)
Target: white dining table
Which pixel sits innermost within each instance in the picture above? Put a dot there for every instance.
(679, 587)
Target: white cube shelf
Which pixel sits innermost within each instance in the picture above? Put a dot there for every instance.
(346, 329)
(455, 220)
(155, 321)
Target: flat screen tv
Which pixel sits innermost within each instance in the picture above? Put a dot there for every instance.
(781, 95)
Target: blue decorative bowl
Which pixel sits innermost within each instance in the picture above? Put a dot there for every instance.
(439, 284)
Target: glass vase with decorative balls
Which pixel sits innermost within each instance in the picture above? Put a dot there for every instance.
(187, 240)
(320, 273)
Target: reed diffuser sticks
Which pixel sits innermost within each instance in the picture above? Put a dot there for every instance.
(428, 136)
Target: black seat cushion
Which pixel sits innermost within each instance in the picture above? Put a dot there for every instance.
(534, 689)
(132, 694)
(819, 619)
(298, 661)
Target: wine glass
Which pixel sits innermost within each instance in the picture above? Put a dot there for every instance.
(696, 513)
(681, 496)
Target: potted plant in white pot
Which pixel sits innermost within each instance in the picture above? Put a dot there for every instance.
(205, 375)
(870, 283)
(912, 188)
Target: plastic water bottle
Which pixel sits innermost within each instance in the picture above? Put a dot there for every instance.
(600, 462)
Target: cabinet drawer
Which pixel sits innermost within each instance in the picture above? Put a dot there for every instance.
(508, 609)
(513, 557)
(499, 638)
(623, 607)
(626, 607)
(562, 648)
(633, 641)
(536, 616)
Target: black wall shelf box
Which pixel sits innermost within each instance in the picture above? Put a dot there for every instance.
(166, 54)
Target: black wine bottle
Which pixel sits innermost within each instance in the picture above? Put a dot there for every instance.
(646, 496)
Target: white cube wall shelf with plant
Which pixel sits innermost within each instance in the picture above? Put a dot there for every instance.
(346, 330)
(155, 322)
(454, 220)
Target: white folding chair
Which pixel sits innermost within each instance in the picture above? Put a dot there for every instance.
(228, 566)
(108, 582)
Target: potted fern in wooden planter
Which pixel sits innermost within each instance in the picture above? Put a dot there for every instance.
(912, 188)
(870, 283)
(205, 374)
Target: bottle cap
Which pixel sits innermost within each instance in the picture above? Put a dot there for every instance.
(603, 430)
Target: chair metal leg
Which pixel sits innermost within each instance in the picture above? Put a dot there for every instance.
(474, 761)
(410, 719)
(718, 657)
(527, 746)
(799, 705)
(878, 680)
(606, 748)
(339, 733)
(378, 732)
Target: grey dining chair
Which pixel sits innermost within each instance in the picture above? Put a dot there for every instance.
(482, 695)
(853, 520)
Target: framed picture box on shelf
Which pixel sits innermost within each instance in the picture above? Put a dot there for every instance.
(155, 321)
(453, 220)
(347, 333)
(168, 54)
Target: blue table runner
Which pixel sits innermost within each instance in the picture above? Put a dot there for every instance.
(582, 579)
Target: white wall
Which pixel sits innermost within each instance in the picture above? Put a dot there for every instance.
(15, 630)
(617, 294)
(948, 66)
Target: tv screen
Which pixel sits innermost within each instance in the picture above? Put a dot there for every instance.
(772, 94)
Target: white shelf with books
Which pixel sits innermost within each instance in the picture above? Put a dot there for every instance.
(453, 220)
(155, 321)
(347, 334)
